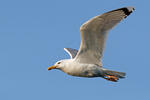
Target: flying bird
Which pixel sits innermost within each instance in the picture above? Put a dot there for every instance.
(86, 62)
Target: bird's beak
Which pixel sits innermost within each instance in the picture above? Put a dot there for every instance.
(52, 67)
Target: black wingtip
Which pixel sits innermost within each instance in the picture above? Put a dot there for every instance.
(126, 10)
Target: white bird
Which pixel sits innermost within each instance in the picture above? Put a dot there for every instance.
(87, 61)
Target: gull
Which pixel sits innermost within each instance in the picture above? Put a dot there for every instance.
(86, 62)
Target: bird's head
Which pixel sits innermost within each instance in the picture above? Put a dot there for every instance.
(58, 65)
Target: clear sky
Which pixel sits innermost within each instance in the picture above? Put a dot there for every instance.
(33, 34)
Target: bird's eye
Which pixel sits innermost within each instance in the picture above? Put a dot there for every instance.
(58, 62)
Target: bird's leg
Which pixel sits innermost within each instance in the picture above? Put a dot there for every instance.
(111, 78)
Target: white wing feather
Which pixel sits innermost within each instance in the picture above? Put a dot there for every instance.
(94, 33)
(71, 52)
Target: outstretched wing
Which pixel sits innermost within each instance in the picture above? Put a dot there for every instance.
(71, 52)
(94, 33)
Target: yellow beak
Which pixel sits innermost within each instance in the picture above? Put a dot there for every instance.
(52, 67)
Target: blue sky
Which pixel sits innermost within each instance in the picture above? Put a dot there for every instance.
(33, 34)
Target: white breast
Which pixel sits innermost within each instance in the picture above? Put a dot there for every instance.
(81, 69)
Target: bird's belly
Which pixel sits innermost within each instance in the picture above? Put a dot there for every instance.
(85, 71)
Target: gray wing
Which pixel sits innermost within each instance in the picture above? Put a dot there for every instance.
(71, 52)
(94, 33)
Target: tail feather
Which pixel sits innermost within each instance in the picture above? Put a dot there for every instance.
(113, 75)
